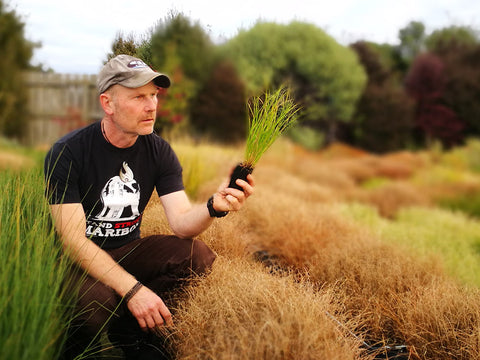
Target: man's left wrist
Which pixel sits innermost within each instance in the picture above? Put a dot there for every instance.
(212, 211)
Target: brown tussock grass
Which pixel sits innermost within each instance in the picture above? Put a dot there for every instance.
(376, 287)
(241, 312)
(14, 161)
(368, 281)
(281, 182)
(444, 322)
(328, 264)
(400, 165)
(341, 150)
(230, 237)
(321, 173)
(391, 197)
(154, 220)
(452, 190)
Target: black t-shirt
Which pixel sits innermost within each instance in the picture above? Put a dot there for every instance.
(112, 184)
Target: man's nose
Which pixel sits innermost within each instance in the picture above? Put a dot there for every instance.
(151, 104)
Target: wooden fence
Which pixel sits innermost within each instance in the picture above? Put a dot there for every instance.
(59, 103)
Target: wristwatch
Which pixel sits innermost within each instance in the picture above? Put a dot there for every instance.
(212, 211)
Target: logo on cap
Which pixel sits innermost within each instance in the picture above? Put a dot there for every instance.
(135, 64)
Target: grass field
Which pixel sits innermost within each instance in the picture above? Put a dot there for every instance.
(338, 253)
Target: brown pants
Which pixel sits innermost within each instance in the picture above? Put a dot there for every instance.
(160, 262)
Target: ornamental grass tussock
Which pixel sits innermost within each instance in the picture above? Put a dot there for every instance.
(270, 116)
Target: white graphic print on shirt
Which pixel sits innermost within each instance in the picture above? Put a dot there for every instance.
(120, 198)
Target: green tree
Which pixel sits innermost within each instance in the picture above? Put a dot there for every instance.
(462, 89)
(16, 53)
(445, 40)
(178, 36)
(124, 44)
(412, 40)
(326, 78)
(219, 110)
(174, 102)
(182, 49)
(383, 119)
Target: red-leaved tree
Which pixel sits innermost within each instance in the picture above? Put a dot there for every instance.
(434, 119)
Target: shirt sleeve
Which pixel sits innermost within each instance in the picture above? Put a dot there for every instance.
(61, 176)
(170, 175)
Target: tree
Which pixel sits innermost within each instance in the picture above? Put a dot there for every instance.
(124, 44)
(383, 119)
(326, 77)
(412, 40)
(219, 109)
(458, 47)
(174, 103)
(180, 48)
(426, 79)
(445, 40)
(371, 60)
(462, 89)
(426, 83)
(191, 44)
(16, 53)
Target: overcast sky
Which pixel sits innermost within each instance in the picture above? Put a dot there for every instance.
(77, 35)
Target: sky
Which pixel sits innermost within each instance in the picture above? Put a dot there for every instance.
(76, 36)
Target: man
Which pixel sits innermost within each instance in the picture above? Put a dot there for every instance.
(99, 180)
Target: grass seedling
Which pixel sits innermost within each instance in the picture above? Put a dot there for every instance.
(270, 116)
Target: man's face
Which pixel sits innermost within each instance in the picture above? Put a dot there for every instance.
(134, 110)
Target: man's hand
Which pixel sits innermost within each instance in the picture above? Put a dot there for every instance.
(230, 199)
(149, 309)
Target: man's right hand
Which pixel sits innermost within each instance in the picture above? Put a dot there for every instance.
(149, 309)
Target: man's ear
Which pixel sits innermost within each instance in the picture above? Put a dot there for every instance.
(106, 102)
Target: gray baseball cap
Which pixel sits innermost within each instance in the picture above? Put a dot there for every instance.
(130, 72)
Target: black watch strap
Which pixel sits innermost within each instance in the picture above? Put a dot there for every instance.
(212, 211)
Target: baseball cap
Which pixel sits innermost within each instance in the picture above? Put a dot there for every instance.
(130, 72)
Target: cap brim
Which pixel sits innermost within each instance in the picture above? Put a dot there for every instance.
(143, 79)
(162, 81)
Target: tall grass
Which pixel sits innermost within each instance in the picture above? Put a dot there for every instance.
(33, 314)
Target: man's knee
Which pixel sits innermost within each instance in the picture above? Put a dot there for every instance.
(202, 257)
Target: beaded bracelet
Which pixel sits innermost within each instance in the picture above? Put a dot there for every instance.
(132, 292)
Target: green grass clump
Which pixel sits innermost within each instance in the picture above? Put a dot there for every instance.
(468, 204)
(33, 314)
(270, 116)
(451, 237)
(464, 157)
